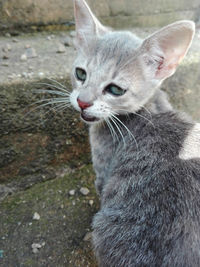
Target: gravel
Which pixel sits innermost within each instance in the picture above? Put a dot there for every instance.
(84, 191)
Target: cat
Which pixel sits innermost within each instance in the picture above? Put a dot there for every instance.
(145, 154)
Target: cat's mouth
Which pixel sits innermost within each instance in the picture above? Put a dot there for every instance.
(88, 118)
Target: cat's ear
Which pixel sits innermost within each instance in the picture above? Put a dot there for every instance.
(87, 25)
(163, 51)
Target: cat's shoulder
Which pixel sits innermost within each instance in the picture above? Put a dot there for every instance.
(191, 145)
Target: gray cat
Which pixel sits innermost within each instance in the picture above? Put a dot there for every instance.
(146, 155)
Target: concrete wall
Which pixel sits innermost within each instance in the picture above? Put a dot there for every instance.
(126, 13)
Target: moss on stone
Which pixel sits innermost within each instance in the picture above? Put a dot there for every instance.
(64, 221)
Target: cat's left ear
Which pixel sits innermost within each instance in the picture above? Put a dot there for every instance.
(87, 25)
(163, 51)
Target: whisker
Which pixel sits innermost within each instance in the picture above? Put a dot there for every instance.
(147, 111)
(110, 129)
(129, 132)
(52, 100)
(139, 116)
(117, 137)
(60, 84)
(61, 107)
(119, 130)
(144, 118)
(51, 92)
(54, 86)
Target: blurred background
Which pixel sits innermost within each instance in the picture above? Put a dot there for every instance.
(47, 196)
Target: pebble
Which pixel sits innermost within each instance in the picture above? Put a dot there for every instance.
(68, 41)
(23, 57)
(68, 142)
(15, 40)
(7, 48)
(25, 75)
(12, 76)
(61, 48)
(31, 53)
(5, 56)
(36, 216)
(50, 37)
(8, 35)
(84, 191)
(72, 192)
(72, 33)
(37, 246)
(91, 202)
(27, 46)
(41, 74)
(5, 64)
(88, 236)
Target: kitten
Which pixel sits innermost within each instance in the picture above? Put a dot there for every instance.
(146, 155)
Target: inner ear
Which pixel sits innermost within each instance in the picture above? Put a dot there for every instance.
(87, 25)
(166, 48)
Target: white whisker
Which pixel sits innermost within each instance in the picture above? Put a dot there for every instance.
(118, 128)
(54, 86)
(110, 128)
(51, 92)
(52, 100)
(129, 132)
(139, 116)
(144, 118)
(60, 84)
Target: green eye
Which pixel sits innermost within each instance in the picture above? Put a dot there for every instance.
(81, 74)
(115, 90)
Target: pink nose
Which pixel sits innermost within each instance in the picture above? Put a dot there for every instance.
(83, 105)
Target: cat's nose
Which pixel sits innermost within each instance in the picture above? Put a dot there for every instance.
(83, 105)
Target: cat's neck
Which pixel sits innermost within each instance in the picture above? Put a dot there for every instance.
(159, 103)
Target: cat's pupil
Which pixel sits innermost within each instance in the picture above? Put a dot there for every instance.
(115, 90)
(81, 74)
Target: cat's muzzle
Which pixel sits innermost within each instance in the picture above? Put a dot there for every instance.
(87, 118)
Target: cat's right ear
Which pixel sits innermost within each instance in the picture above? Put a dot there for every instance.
(87, 25)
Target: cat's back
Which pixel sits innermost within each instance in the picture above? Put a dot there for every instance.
(150, 212)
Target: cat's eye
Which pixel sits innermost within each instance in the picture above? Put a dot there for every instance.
(115, 90)
(81, 74)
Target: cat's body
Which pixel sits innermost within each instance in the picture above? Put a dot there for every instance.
(146, 156)
(150, 196)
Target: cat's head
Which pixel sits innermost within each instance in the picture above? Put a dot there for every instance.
(117, 73)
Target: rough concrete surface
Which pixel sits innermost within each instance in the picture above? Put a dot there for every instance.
(60, 232)
(45, 164)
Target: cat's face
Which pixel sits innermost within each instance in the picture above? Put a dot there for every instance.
(104, 78)
(115, 72)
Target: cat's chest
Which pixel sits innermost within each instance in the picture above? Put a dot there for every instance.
(102, 147)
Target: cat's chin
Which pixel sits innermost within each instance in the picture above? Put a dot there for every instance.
(88, 119)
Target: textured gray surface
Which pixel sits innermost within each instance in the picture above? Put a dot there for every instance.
(19, 13)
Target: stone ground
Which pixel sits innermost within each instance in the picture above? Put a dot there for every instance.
(44, 153)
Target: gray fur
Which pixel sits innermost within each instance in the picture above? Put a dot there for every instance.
(149, 188)
(150, 204)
